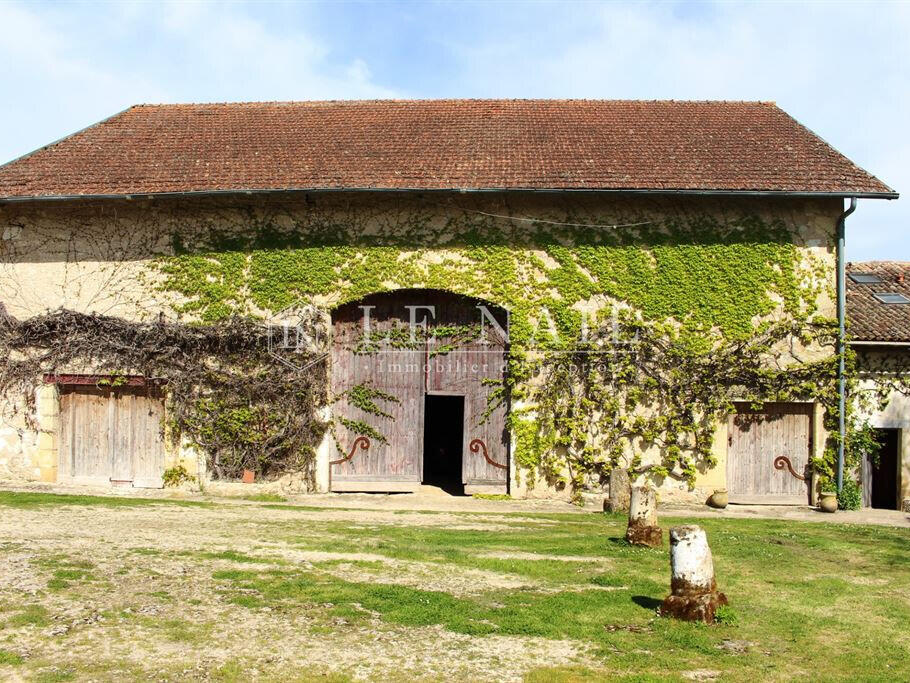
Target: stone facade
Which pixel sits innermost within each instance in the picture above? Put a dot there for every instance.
(102, 256)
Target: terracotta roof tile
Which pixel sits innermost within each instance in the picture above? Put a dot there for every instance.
(870, 319)
(440, 144)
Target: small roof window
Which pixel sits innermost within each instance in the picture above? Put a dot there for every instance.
(891, 298)
(865, 278)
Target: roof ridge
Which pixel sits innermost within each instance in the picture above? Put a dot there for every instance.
(878, 262)
(428, 100)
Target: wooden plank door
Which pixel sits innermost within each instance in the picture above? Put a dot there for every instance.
(144, 414)
(121, 427)
(85, 439)
(391, 462)
(409, 370)
(768, 453)
(111, 436)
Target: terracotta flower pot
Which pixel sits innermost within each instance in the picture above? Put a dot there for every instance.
(719, 499)
(827, 501)
(248, 476)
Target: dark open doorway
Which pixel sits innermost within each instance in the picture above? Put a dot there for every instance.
(443, 439)
(881, 488)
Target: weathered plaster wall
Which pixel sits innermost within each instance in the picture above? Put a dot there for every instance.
(103, 257)
(20, 453)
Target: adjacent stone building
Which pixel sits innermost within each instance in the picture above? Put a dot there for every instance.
(878, 309)
(520, 239)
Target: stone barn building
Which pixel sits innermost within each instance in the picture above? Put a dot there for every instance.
(878, 310)
(508, 296)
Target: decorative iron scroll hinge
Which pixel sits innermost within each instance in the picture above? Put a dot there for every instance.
(477, 445)
(782, 461)
(361, 441)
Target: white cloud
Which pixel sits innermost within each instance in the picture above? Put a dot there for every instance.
(71, 65)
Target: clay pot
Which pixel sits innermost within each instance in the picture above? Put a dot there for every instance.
(719, 499)
(248, 476)
(827, 501)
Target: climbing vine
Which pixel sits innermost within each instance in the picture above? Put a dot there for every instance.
(588, 405)
(697, 287)
(695, 270)
(365, 398)
(226, 394)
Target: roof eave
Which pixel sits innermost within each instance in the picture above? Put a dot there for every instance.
(8, 199)
(874, 343)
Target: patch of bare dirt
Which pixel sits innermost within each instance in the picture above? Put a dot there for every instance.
(151, 607)
(457, 581)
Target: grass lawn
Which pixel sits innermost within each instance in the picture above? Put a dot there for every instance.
(91, 589)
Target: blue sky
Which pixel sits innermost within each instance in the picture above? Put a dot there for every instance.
(843, 69)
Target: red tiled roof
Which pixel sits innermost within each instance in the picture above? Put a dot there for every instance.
(440, 144)
(870, 319)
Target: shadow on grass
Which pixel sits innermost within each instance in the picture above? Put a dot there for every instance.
(646, 602)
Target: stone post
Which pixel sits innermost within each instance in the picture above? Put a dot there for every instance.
(618, 497)
(693, 590)
(643, 528)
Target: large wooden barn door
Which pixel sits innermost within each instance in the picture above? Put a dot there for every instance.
(474, 369)
(451, 364)
(391, 460)
(768, 453)
(111, 435)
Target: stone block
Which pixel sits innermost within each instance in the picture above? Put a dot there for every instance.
(643, 528)
(693, 589)
(620, 491)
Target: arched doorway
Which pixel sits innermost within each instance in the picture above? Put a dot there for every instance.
(420, 375)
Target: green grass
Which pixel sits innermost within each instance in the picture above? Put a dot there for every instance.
(10, 658)
(820, 601)
(66, 571)
(183, 631)
(29, 615)
(568, 674)
(796, 589)
(234, 556)
(556, 615)
(55, 675)
(27, 500)
(239, 672)
(264, 498)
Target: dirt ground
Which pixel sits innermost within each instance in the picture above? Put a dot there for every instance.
(105, 591)
(434, 500)
(151, 601)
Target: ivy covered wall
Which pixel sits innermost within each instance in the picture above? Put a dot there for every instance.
(707, 268)
(696, 276)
